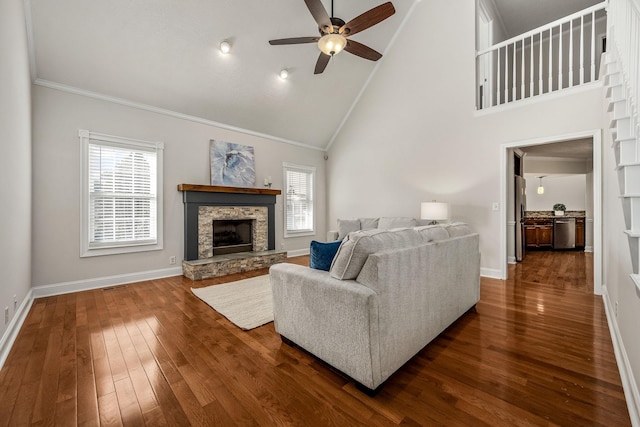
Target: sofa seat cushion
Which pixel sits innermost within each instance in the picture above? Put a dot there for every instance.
(357, 246)
(321, 254)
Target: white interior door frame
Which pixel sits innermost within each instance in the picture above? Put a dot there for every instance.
(596, 136)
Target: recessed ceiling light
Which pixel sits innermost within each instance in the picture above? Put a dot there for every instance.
(225, 47)
(284, 73)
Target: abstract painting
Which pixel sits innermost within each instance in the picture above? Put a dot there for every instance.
(232, 164)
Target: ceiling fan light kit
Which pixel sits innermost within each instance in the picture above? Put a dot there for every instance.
(334, 32)
(331, 44)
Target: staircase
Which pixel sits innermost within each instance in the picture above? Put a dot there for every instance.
(621, 90)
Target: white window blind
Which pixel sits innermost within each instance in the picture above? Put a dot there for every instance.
(121, 205)
(299, 211)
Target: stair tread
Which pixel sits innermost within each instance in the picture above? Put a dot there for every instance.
(633, 233)
(636, 280)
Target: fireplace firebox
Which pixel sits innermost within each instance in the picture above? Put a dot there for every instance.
(232, 236)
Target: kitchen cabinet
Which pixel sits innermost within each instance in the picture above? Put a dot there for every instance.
(538, 233)
(580, 233)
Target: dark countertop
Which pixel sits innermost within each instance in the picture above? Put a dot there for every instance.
(550, 215)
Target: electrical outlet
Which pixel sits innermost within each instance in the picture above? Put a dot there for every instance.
(172, 260)
(6, 315)
(495, 206)
(15, 303)
(615, 308)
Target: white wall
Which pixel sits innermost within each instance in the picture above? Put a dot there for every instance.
(56, 160)
(414, 136)
(15, 159)
(568, 189)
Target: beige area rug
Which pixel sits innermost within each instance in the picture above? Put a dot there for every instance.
(248, 303)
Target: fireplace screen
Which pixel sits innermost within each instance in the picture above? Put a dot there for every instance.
(231, 236)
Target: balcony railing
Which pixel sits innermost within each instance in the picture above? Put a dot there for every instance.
(556, 56)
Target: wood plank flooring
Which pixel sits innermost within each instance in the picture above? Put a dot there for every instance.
(536, 352)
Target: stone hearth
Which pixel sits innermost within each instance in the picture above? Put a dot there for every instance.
(205, 203)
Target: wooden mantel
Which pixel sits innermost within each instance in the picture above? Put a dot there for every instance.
(223, 189)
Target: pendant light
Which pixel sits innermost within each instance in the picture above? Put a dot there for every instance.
(540, 187)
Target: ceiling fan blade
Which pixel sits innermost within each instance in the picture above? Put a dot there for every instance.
(323, 60)
(368, 19)
(362, 51)
(294, 40)
(320, 14)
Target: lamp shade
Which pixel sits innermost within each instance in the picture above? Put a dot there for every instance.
(434, 211)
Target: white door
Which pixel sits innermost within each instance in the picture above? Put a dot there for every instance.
(484, 40)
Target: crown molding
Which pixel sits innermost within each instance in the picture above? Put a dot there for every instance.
(170, 113)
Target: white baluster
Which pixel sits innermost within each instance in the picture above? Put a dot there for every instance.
(506, 74)
(514, 94)
(522, 91)
(550, 59)
(570, 58)
(593, 46)
(540, 66)
(498, 80)
(531, 68)
(582, 50)
(560, 82)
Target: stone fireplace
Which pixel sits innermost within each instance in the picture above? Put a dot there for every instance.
(212, 251)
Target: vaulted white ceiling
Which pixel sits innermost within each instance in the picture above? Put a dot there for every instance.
(165, 54)
(520, 16)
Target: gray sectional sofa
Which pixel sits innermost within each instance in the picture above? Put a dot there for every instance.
(387, 294)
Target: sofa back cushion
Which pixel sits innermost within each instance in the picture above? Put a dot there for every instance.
(457, 229)
(356, 248)
(388, 223)
(368, 223)
(432, 233)
(346, 226)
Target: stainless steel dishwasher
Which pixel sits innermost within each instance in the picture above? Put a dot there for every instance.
(564, 233)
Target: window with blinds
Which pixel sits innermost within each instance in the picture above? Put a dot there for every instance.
(299, 210)
(122, 190)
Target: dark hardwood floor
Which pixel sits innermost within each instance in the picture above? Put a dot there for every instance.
(536, 351)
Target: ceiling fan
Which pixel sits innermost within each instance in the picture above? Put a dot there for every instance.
(334, 32)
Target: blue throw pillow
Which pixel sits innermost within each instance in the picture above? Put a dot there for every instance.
(321, 254)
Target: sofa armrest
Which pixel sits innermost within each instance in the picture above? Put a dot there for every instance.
(332, 235)
(336, 320)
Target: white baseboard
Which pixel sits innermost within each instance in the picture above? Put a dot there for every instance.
(298, 252)
(624, 367)
(103, 282)
(492, 273)
(588, 248)
(11, 333)
(511, 260)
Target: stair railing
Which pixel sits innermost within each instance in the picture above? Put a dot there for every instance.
(624, 29)
(559, 55)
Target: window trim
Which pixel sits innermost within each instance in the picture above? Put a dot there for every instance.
(86, 250)
(301, 168)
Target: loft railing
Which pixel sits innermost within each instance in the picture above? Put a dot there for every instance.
(624, 25)
(555, 56)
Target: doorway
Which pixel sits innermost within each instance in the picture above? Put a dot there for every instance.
(507, 228)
